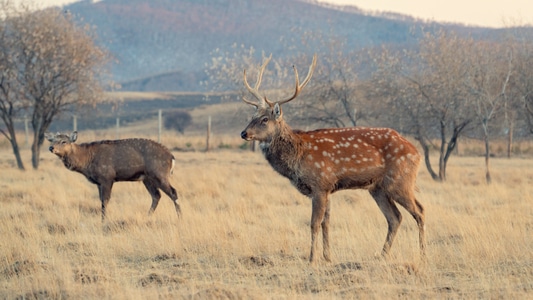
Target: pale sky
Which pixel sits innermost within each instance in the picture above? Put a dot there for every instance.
(490, 13)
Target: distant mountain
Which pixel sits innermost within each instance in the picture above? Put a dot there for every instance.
(165, 44)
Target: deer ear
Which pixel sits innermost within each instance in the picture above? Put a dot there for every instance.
(277, 111)
(49, 136)
(73, 136)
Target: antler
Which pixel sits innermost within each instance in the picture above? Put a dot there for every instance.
(255, 91)
(263, 99)
(299, 86)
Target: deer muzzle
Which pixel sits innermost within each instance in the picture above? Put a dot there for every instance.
(244, 135)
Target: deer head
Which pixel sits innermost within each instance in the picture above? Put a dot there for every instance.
(61, 143)
(268, 115)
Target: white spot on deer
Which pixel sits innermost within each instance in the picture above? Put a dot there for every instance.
(396, 150)
(310, 157)
(325, 153)
(317, 164)
(315, 148)
(355, 145)
(337, 161)
(388, 156)
(365, 159)
(359, 140)
(357, 161)
(322, 163)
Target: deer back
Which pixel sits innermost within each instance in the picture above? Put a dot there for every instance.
(357, 157)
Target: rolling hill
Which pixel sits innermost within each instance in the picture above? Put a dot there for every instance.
(164, 45)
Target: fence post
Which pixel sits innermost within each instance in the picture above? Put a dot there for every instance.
(208, 133)
(74, 123)
(117, 128)
(26, 131)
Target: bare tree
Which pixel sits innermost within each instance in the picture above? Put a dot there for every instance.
(225, 71)
(58, 66)
(11, 104)
(487, 80)
(336, 95)
(424, 93)
(521, 84)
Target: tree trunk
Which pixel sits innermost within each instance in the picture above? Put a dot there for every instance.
(487, 157)
(35, 154)
(16, 151)
(442, 160)
(425, 149)
(510, 139)
(15, 147)
(12, 138)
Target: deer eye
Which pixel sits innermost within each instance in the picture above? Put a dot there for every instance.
(264, 120)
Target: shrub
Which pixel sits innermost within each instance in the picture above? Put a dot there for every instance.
(177, 120)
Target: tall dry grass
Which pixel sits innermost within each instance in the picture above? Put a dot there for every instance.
(244, 233)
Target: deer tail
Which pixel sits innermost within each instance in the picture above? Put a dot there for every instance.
(172, 165)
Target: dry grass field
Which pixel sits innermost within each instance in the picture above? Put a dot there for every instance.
(244, 234)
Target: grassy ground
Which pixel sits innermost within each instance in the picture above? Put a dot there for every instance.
(245, 233)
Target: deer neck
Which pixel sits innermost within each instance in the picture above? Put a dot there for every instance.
(284, 150)
(78, 159)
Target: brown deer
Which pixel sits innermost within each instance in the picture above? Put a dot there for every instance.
(323, 161)
(107, 162)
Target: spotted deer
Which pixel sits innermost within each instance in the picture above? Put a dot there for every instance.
(106, 162)
(323, 161)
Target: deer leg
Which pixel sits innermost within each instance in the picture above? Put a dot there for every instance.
(154, 192)
(317, 216)
(392, 214)
(417, 211)
(325, 232)
(171, 192)
(104, 190)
